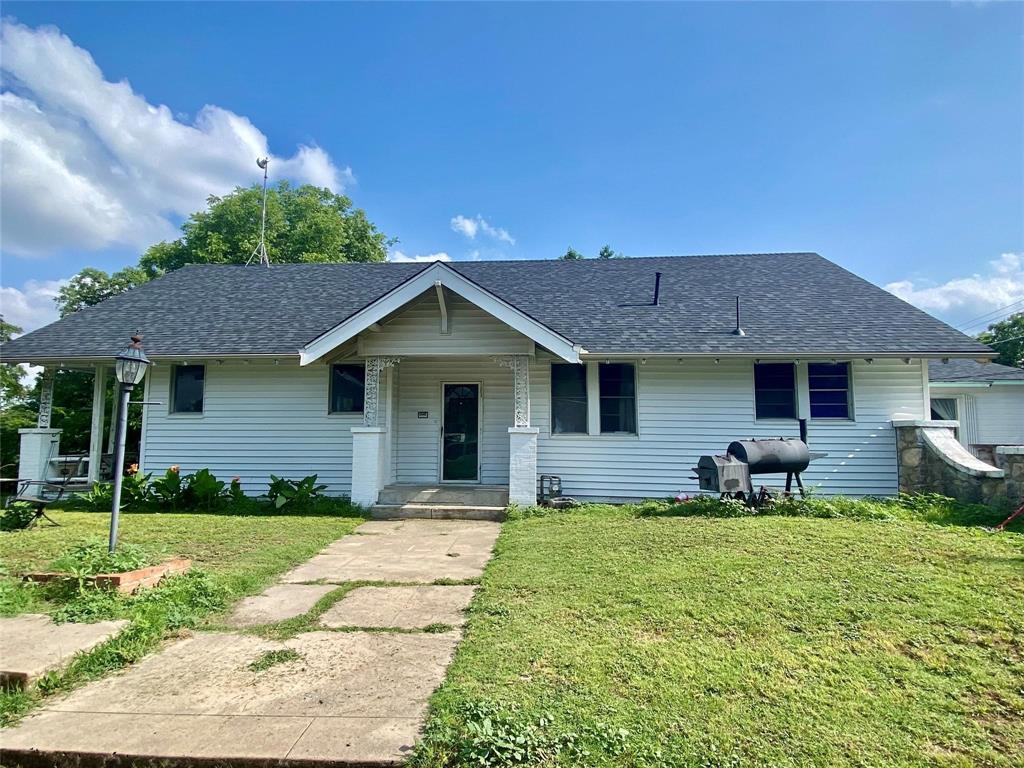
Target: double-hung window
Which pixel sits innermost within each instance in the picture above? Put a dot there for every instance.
(775, 390)
(829, 387)
(187, 384)
(568, 399)
(617, 388)
(348, 387)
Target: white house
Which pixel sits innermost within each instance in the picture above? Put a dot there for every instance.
(986, 398)
(614, 375)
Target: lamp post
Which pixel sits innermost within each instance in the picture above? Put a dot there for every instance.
(129, 368)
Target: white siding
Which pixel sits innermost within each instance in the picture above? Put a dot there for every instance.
(999, 412)
(417, 442)
(257, 419)
(416, 330)
(695, 407)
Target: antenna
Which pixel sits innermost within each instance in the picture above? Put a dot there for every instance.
(260, 251)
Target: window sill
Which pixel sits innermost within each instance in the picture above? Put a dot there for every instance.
(587, 436)
(186, 415)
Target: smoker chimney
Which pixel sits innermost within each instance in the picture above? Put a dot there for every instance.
(657, 288)
(739, 328)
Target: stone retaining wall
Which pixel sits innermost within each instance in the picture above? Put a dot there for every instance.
(931, 461)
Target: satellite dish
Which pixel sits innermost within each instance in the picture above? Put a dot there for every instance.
(262, 163)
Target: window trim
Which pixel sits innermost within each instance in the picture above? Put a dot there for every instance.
(172, 389)
(796, 392)
(594, 403)
(330, 390)
(636, 399)
(551, 401)
(851, 410)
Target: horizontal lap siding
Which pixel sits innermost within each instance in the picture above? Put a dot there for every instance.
(697, 407)
(417, 443)
(258, 420)
(998, 412)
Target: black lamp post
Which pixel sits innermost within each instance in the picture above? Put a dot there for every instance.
(129, 368)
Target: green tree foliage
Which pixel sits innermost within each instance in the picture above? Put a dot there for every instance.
(15, 413)
(571, 255)
(91, 286)
(305, 224)
(11, 388)
(1007, 338)
(606, 252)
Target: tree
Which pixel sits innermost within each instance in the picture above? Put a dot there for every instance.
(11, 388)
(304, 224)
(606, 252)
(1007, 338)
(14, 413)
(571, 255)
(91, 286)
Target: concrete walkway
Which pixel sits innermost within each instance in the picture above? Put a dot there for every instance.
(340, 697)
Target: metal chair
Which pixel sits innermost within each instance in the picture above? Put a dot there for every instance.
(40, 494)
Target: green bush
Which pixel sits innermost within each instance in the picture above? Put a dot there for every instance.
(295, 493)
(205, 490)
(17, 516)
(92, 557)
(169, 490)
(100, 498)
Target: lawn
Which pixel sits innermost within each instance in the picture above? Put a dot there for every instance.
(234, 556)
(604, 637)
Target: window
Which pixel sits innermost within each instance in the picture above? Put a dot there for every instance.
(617, 387)
(775, 390)
(944, 408)
(829, 386)
(568, 399)
(187, 388)
(348, 385)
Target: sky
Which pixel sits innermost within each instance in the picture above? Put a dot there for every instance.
(887, 137)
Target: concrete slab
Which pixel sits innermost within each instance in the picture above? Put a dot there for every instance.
(278, 603)
(400, 607)
(32, 645)
(418, 551)
(352, 696)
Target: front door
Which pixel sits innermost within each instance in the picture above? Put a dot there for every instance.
(460, 432)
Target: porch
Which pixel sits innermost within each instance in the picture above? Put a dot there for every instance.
(444, 435)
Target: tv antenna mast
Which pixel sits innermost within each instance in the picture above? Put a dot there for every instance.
(260, 251)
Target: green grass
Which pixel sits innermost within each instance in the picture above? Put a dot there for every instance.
(234, 556)
(273, 658)
(629, 637)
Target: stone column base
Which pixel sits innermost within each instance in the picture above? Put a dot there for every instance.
(522, 466)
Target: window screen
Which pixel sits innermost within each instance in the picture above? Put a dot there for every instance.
(187, 388)
(348, 385)
(775, 390)
(829, 385)
(568, 399)
(617, 384)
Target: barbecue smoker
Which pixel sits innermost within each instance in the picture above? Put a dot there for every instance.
(730, 475)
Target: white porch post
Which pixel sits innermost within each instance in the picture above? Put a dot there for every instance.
(370, 461)
(40, 444)
(99, 401)
(522, 438)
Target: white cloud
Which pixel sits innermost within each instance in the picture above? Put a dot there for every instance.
(32, 306)
(963, 299)
(88, 163)
(398, 256)
(471, 226)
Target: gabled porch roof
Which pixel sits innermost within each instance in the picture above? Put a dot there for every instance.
(436, 274)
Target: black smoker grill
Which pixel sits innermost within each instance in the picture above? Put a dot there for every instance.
(730, 475)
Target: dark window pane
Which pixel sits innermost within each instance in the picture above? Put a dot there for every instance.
(347, 388)
(829, 390)
(775, 390)
(617, 387)
(187, 386)
(568, 399)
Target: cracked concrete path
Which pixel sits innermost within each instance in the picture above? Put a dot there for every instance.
(349, 697)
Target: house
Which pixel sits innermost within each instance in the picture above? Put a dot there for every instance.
(614, 375)
(987, 399)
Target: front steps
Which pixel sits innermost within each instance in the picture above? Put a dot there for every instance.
(441, 502)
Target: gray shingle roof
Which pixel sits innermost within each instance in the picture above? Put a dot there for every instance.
(971, 370)
(795, 303)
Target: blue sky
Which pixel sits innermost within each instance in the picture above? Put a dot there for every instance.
(888, 137)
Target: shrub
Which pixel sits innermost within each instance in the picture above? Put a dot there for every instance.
(17, 516)
(100, 497)
(169, 490)
(92, 557)
(205, 489)
(135, 488)
(235, 491)
(295, 493)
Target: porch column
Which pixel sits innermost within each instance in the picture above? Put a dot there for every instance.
(99, 401)
(370, 461)
(40, 444)
(522, 438)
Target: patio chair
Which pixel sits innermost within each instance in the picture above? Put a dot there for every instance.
(40, 494)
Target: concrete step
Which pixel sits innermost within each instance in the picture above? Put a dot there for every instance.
(437, 512)
(445, 495)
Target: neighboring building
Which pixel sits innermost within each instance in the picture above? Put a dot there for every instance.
(615, 375)
(986, 398)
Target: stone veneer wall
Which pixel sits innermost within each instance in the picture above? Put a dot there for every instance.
(933, 463)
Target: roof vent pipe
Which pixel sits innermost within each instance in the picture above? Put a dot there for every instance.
(657, 289)
(739, 328)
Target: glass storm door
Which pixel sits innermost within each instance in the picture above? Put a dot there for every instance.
(460, 432)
